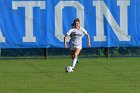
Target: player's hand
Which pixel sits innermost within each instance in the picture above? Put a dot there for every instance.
(66, 46)
(89, 45)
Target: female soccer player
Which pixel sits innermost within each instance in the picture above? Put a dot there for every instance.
(76, 33)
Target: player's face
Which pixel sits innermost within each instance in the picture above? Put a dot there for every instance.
(77, 24)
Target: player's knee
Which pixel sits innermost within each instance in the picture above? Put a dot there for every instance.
(75, 55)
(72, 56)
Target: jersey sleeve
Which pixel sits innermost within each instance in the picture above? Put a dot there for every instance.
(69, 32)
(84, 31)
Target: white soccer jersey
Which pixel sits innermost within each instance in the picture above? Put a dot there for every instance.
(76, 36)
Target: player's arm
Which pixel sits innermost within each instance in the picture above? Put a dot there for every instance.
(88, 37)
(89, 44)
(65, 39)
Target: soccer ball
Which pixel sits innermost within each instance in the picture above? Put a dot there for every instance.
(69, 69)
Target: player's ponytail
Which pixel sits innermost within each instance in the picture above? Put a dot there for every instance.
(76, 20)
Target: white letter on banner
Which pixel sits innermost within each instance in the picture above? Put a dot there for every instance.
(2, 39)
(120, 31)
(58, 16)
(29, 16)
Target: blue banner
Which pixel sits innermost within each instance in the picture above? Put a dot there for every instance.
(44, 23)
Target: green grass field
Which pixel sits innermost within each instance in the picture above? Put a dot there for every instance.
(91, 75)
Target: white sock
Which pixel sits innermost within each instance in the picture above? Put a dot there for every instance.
(74, 62)
(77, 58)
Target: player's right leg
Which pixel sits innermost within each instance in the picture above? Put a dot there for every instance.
(72, 52)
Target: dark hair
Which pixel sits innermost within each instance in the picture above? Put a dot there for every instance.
(75, 20)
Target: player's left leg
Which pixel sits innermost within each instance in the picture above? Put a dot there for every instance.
(77, 59)
(72, 52)
(77, 51)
